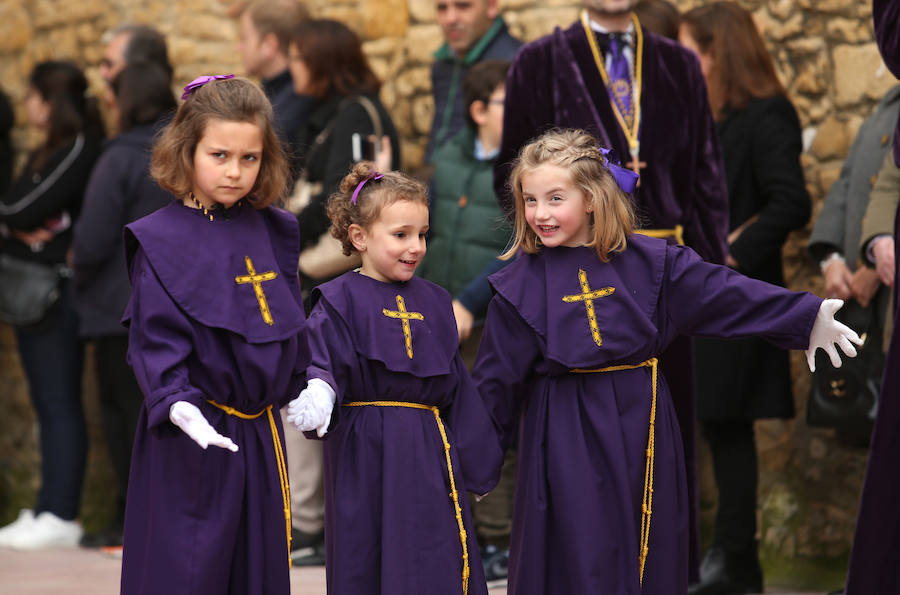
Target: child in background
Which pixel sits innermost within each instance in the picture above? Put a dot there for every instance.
(217, 343)
(467, 233)
(568, 358)
(468, 230)
(408, 434)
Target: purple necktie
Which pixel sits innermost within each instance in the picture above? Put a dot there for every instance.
(620, 77)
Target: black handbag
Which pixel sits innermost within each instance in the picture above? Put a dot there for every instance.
(28, 290)
(846, 398)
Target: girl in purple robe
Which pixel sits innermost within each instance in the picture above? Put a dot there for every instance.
(407, 433)
(568, 359)
(217, 343)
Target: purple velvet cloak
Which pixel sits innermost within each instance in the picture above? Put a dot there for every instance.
(390, 526)
(875, 558)
(583, 437)
(210, 521)
(555, 83)
(886, 16)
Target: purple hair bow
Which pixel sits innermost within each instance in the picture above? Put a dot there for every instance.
(372, 176)
(625, 178)
(202, 80)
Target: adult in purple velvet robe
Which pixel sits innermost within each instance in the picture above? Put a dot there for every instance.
(583, 437)
(554, 82)
(390, 524)
(875, 558)
(886, 16)
(211, 521)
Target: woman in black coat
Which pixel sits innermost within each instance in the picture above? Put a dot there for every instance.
(327, 63)
(741, 381)
(120, 191)
(36, 214)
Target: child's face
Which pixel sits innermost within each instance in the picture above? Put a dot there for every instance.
(394, 244)
(489, 118)
(226, 162)
(556, 210)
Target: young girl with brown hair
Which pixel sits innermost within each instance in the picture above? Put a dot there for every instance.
(407, 434)
(568, 359)
(217, 344)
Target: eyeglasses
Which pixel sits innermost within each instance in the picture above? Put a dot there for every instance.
(496, 101)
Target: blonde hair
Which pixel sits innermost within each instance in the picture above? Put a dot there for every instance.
(375, 195)
(576, 151)
(230, 100)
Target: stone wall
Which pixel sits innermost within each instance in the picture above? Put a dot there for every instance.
(825, 54)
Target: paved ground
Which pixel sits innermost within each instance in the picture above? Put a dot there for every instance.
(86, 572)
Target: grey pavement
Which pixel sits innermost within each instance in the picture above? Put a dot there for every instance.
(90, 572)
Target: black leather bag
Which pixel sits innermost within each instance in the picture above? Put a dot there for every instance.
(846, 398)
(28, 290)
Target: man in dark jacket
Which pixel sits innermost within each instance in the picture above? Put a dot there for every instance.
(473, 31)
(264, 31)
(119, 191)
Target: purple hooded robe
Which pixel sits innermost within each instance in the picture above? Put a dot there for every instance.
(554, 82)
(583, 437)
(210, 522)
(390, 524)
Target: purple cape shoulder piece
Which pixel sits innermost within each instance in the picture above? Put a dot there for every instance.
(547, 289)
(378, 322)
(215, 269)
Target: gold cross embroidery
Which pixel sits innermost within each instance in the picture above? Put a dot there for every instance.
(404, 317)
(257, 281)
(587, 296)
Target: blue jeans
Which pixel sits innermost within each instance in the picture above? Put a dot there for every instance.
(52, 355)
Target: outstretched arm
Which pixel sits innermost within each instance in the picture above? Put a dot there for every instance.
(828, 332)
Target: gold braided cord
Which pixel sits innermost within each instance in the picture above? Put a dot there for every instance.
(279, 462)
(631, 131)
(454, 494)
(676, 232)
(647, 500)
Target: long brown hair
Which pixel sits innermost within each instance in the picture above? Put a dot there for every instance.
(577, 152)
(742, 68)
(63, 86)
(335, 60)
(230, 100)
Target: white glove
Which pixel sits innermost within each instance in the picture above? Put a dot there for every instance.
(827, 331)
(311, 410)
(186, 416)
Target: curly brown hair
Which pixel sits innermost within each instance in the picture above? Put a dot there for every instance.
(374, 196)
(577, 152)
(231, 100)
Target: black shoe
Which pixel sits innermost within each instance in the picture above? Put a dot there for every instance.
(307, 549)
(728, 573)
(105, 538)
(496, 565)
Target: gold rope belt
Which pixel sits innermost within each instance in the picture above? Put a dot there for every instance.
(279, 461)
(676, 232)
(454, 495)
(647, 504)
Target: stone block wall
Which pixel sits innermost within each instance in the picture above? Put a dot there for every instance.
(824, 52)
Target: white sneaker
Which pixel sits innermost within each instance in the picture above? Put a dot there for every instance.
(7, 533)
(48, 530)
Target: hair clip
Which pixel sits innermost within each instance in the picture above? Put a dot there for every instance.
(202, 80)
(373, 175)
(624, 177)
